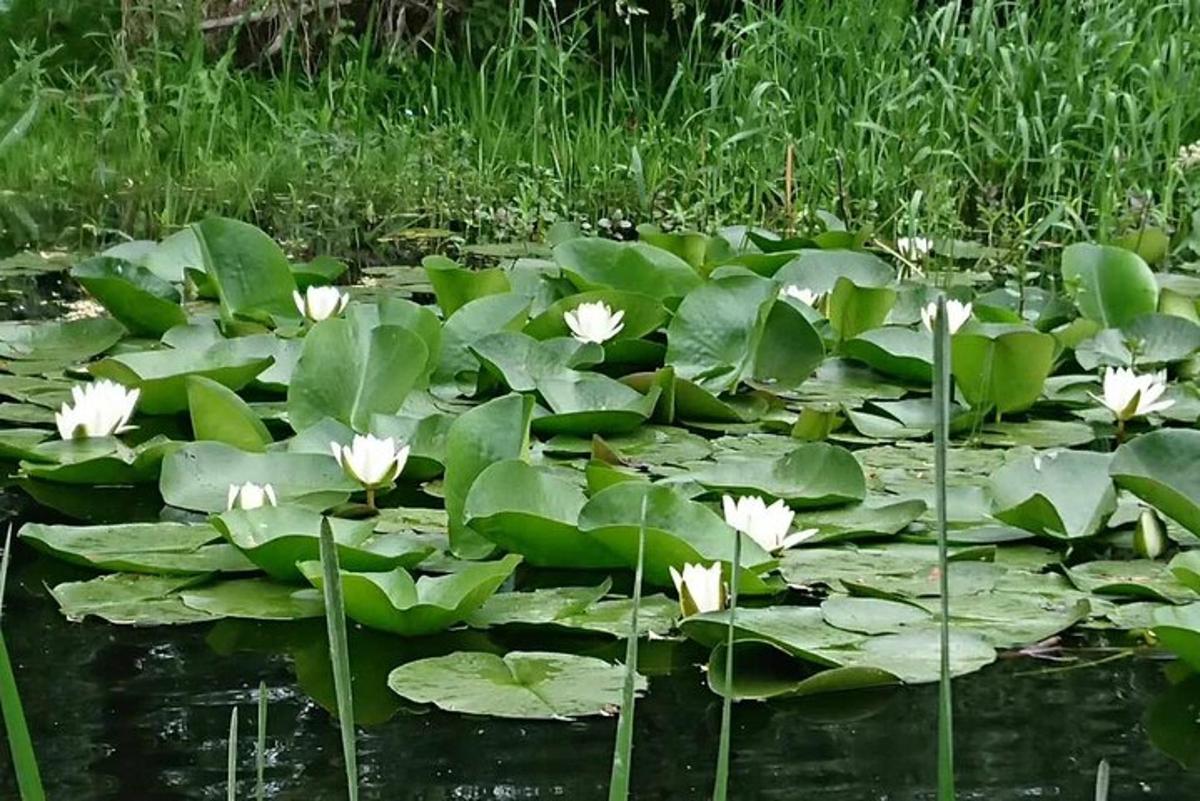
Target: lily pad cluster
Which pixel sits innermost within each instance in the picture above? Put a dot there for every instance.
(484, 457)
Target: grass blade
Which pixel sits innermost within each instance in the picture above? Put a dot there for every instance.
(20, 744)
(1102, 778)
(942, 389)
(721, 783)
(618, 785)
(260, 745)
(339, 653)
(231, 769)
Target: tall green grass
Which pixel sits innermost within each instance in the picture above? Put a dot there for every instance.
(994, 114)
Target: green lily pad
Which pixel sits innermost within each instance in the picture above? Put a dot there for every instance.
(198, 475)
(277, 537)
(1061, 494)
(895, 351)
(872, 616)
(394, 602)
(588, 403)
(1001, 366)
(594, 263)
(1111, 285)
(496, 430)
(520, 361)
(455, 286)
(875, 518)
(813, 474)
(253, 599)
(855, 309)
(1186, 567)
(1142, 579)
(20, 444)
(58, 343)
(424, 436)
(129, 599)
(162, 375)
(1160, 468)
(219, 415)
(763, 670)
(531, 512)
(678, 532)
(538, 607)
(159, 548)
(1178, 629)
(143, 302)
(251, 273)
(531, 685)
(99, 461)
(457, 367)
(350, 370)
(820, 270)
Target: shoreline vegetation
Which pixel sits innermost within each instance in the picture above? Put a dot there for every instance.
(1012, 125)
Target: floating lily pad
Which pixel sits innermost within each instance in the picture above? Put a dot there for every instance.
(198, 475)
(1142, 579)
(531, 685)
(129, 599)
(529, 511)
(678, 532)
(99, 461)
(1178, 628)
(276, 538)
(1062, 494)
(521, 361)
(161, 375)
(872, 616)
(457, 367)
(143, 302)
(394, 602)
(1160, 468)
(642, 314)
(455, 286)
(250, 272)
(219, 415)
(254, 599)
(1111, 285)
(812, 475)
(538, 607)
(763, 670)
(58, 343)
(160, 548)
(819, 270)
(895, 351)
(587, 403)
(875, 518)
(1001, 366)
(594, 263)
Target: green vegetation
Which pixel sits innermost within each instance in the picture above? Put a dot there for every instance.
(1000, 122)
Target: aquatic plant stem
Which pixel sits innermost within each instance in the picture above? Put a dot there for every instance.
(231, 768)
(941, 435)
(618, 785)
(721, 783)
(260, 745)
(20, 744)
(371, 498)
(339, 654)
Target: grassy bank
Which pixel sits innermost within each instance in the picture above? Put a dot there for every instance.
(985, 120)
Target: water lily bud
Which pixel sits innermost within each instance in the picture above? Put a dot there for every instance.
(321, 302)
(594, 322)
(1150, 535)
(700, 588)
(101, 409)
(957, 315)
(250, 496)
(371, 461)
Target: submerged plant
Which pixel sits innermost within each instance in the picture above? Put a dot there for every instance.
(250, 496)
(957, 315)
(1128, 395)
(594, 322)
(700, 588)
(373, 462)
(101, 409)
(321, 302)
(766, 525)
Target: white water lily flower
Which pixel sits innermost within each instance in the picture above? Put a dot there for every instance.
(805, 296)
(101, 409)
(700, 588)
(766, 525)
(914, 248)
(594, 322)
(250, 496)
(371, 461)
(1128, 394)
(957, 315)
(321, 302)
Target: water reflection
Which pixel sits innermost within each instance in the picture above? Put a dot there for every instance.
(121, 713)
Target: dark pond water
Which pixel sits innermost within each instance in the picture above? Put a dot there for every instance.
(120, 713)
